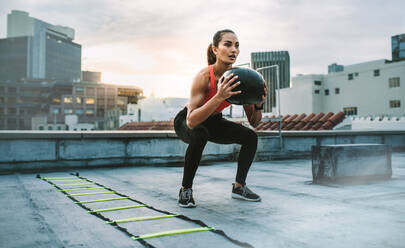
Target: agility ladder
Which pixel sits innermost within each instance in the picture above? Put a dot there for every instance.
(59, 182)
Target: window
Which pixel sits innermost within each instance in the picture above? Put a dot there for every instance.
(121, 101)
(356, 74)
(41, 128)
(78, 100)
(12, 111)
(67, 99)
(350, 110)
(318, 82)
(59, 128)
(376, 72)
(22, 124)
(395, 104)
(316, 92)
(12, 122)
(1, 111)
(79, 111)
(100, 92)
(350, 76)
(337, 91)
(68, 111)
(394, 82)
(89, 100)
(50, 128)
(110, 102)
(89, 111)
(1, 99)
(100, 112)
(55, 100)
(90, 91)
(110, 92)
(12, 90)
(55, 111)
(326, 92)
(12, 100)
(79, 90)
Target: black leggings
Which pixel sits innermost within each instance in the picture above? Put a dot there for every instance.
(218, 130)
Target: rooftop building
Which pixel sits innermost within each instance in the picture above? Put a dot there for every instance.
(335, 68)
(370, 88)
(35, 49)
(263, 59)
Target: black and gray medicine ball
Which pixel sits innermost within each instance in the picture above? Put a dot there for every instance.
(251, 85)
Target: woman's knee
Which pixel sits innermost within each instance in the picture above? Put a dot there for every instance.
(199, 134)
(250, 137)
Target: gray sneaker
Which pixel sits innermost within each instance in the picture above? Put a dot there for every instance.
(244, 193)
(186, 198)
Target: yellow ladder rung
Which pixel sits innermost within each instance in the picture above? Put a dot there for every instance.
(95, 193)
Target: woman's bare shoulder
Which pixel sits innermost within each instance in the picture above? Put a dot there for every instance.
(203, 74)
(202, 78)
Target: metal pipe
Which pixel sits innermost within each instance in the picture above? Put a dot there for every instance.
(278, 100)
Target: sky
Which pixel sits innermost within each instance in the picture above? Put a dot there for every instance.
(160, 45)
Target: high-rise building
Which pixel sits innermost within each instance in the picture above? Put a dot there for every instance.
(398, 47)
(40, 79)
(35, 49)
(263, 59)
(14, 58)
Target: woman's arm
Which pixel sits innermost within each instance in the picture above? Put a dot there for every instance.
(254, 115)
(198, 111)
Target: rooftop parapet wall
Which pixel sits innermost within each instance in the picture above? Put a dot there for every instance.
(364, 123)
(39, 150)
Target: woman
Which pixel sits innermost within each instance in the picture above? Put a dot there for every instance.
(201, 120)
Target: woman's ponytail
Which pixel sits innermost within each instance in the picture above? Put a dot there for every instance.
(211, 58)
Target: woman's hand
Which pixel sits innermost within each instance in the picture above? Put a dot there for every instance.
(226, 85)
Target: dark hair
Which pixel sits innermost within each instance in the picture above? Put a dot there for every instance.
(211, 58)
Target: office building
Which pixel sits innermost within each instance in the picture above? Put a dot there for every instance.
(91, 76)
(90, 101)
(35, 49)
(398, 47)
(20, 101)
(280, 58)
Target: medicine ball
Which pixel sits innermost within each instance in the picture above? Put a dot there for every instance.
(251, 85)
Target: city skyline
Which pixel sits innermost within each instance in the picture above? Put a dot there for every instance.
(160, 46)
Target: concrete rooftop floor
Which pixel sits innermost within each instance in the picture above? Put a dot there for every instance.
(293, 212)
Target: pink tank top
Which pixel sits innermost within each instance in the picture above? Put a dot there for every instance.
(213, 91)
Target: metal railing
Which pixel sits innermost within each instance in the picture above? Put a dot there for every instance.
(279, 118)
